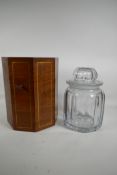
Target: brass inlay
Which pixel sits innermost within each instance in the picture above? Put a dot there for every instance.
(13, 63)
(38, 93)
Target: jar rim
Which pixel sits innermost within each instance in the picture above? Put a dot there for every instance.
(82, 84)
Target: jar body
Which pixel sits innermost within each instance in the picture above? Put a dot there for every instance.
(83, 109)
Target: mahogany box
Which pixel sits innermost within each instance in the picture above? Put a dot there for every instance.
(31, 92)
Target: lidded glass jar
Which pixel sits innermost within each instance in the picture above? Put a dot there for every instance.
(84, 101)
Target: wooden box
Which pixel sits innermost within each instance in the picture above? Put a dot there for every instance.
(31, 92)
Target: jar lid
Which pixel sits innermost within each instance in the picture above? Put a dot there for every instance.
(85, 77)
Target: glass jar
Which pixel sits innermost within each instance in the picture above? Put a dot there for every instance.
(84, 101)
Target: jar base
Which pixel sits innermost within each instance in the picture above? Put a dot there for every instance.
(80, 129)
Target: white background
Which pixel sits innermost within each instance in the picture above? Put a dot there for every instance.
(79, 33)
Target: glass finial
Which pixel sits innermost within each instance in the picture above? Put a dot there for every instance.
(84, 73)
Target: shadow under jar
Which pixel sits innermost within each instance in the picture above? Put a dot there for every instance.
(84, 101)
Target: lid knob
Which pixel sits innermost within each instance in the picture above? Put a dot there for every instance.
(85, 74)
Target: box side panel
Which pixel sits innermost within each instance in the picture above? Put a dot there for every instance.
(22, 92)
(44, 89)
(7, 90)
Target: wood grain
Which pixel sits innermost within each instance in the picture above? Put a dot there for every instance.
(44, 86)
(32, 92)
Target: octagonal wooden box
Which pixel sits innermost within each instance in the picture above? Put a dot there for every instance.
(31, 92)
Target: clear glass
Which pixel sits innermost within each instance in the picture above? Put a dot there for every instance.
(84, 106)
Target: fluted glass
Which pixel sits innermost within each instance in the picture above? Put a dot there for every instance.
(84, 109)
(84, 101)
